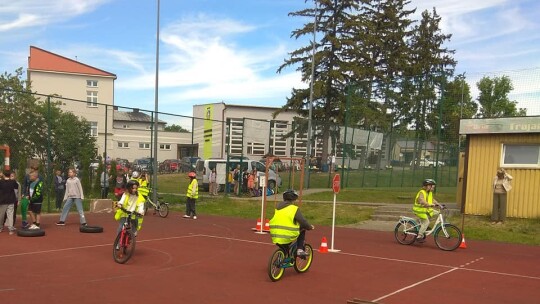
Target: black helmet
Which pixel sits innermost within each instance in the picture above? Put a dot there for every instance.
(290, 195)
(428, 181)
(132, 183)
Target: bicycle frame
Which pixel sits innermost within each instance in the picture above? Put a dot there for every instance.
(440, 221)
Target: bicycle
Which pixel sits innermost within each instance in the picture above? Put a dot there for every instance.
(285, 256)
(447, 236)
(124, 244)
(162, 208)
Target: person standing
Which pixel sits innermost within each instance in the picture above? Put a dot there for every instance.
(192, 196)
(120, 185)
(213, 182)
(104, 181)
(423, 207)
(18, 195)
(7, 200)
(36, 199)
(501, 186)
(74, 194)
(59, 187)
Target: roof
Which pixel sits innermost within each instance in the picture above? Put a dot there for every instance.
(134, 116)
(42, 60)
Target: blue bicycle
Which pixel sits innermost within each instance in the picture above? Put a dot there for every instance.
(285, 256)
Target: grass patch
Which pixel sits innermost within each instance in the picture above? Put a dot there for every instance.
(382, 195)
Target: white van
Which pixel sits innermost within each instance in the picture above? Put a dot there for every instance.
(204, 167)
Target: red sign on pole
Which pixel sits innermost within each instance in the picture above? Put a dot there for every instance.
(336, 184)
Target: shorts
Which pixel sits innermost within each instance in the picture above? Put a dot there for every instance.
(35, 207)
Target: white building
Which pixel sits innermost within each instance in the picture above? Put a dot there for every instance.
(88, 92)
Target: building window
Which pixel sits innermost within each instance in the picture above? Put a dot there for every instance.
(92, 99)
(125, 126)
(93, 128)
(521, 156)
(123, 144)
(165, 146)
(91, 83)
(255, 148)
(144, 146)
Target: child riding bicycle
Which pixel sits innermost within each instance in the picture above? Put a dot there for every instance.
(289, 224)
(423, 207)
(131, 201)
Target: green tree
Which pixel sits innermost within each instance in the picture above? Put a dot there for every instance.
(175, 128)
(493, 98)
(331, 68)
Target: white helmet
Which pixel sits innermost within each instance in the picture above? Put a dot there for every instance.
(135, 174)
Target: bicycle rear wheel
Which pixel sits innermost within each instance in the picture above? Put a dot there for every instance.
(163, 209)
(275, 265)
(450, 240)
(302, 263)
(405, 232)
(123, 247)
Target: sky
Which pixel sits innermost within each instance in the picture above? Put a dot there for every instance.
(229, 50)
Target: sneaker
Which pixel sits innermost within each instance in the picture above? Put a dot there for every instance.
(301, 252)
(60, 223)
(33, 227)
(194, 217)
(24, 225)
(84, 224)
(12, 231)
(420, 239)
(186, 216)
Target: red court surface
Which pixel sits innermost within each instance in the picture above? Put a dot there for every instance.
(220, 260)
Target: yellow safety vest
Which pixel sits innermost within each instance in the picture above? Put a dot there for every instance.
(190, 189)
(143, 187)
(120, 214)
(421, 211)
(283, 230)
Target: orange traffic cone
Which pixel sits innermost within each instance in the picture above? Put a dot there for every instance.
(463, 245)
(267, 226)
(258, 226)
(324, 246)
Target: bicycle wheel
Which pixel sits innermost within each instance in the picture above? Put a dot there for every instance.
(275, 265)
(123, 248)
(450, 240)
(405, 232)
(163, 209)
(302, 263)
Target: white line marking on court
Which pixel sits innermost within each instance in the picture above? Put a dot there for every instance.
(414, 285)
(90, 246)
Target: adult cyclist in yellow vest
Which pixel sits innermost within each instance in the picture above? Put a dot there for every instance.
(192, 196)
(131, 201)
(423, 207)
(288, 223)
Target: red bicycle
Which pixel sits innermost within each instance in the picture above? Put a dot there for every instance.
(124, 244)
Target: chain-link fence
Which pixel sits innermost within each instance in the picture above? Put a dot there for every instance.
(391, 137)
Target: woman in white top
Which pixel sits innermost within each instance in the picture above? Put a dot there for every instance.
(501, 185)
(73, 194)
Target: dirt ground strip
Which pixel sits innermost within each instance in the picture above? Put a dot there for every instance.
(221, 260)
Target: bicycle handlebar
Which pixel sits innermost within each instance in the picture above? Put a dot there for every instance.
(131, 212)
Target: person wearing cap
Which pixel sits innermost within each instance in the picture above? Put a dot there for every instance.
(423, 207)
(501, 186)
(288, 223)
(192, 196)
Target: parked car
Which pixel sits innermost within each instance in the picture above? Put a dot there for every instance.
(188, 163)
(426, 162)
(169, 166)
(143, 165)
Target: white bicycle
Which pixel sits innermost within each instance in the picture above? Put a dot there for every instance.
(447, 236)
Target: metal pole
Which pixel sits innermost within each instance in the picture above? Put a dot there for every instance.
(308, 145)
(155, 163)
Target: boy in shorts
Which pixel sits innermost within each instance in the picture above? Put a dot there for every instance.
(36, 199)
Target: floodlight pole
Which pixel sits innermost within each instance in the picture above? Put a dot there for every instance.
(155, 162)
(309, 135)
